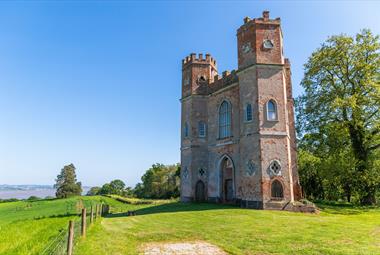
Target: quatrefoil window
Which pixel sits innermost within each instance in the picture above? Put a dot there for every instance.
(202, 172)
(275, 167)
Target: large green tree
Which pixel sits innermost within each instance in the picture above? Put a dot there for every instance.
(159, 181)
(340, 104)
(67, 184)
(116, 187)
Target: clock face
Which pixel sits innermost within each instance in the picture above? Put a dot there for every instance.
(246, 48)
(268, 44)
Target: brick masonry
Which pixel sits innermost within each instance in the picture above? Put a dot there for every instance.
(239, 168)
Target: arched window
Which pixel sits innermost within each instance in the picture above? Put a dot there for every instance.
(186, 130)
(201, 129)
(277, 190)
(271, 110)
(248, 112)
(224, 120)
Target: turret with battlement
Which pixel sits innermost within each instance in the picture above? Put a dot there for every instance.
(197, 73)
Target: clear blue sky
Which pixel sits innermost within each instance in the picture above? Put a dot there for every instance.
(97, 83)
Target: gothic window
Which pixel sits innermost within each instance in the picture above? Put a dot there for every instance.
(186, 130)
(277, 191)
(224, 120)
(248, 112)
(201, 129)
(271, 110)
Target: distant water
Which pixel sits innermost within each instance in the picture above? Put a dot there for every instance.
(24, 194)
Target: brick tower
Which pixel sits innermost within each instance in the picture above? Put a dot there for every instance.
(238, 135)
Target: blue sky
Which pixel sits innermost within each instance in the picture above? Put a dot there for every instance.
(97, 84)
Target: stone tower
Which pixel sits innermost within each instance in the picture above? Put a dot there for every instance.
(237, 130)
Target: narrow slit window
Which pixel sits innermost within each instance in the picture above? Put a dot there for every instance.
(186, 130)
(248, 112)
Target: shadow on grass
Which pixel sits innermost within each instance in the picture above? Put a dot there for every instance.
(175, 207)
(63, 215)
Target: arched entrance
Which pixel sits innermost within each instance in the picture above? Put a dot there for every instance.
(227, 180)
(277, 191)
(200, 191)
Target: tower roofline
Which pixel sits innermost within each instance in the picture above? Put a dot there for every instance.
(193, 59)
(265, 19)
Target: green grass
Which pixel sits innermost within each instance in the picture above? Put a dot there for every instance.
(27, 227)
(341, 230)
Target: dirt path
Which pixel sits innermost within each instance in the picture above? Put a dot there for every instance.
(188, 248)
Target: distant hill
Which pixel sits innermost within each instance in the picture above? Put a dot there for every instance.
(24, 191)
(25, 187)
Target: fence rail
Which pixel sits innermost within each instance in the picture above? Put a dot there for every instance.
(64, 242)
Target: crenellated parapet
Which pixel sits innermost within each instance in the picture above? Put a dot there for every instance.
(223, 81)
(193, 59)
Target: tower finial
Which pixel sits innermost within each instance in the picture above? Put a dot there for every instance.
(266, 15)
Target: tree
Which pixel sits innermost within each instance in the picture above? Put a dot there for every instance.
(66, 183)
(159, 182)
(93, 191)
(117, 187)
(106, 189)
(341, 100)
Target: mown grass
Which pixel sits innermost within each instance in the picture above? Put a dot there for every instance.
(27, 227)
(341, 230)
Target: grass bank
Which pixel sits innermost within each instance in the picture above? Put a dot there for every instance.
(26, 227)
(341, 230)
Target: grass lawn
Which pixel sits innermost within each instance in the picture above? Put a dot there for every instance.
(336, 230)
(27, 227)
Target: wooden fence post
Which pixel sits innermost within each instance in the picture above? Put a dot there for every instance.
(70, 240)
(83, 225)
(101, 210)
(92, 215)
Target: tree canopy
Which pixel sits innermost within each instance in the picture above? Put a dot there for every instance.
(338, 118)
(67, 184)
(159, 181)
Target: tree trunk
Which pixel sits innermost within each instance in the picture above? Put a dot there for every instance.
(368, 199)
(361, 152)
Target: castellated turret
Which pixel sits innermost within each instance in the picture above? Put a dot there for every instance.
(197, 73)
(237, 128)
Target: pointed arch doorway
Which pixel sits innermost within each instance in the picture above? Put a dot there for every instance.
(227, 190)
(200, 191)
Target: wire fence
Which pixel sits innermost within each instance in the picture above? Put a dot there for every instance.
(60, 244)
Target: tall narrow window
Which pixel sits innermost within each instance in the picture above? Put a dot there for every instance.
(271, 110)
(186, 130)
(224, 120)
(248, 112)
(201, 129)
